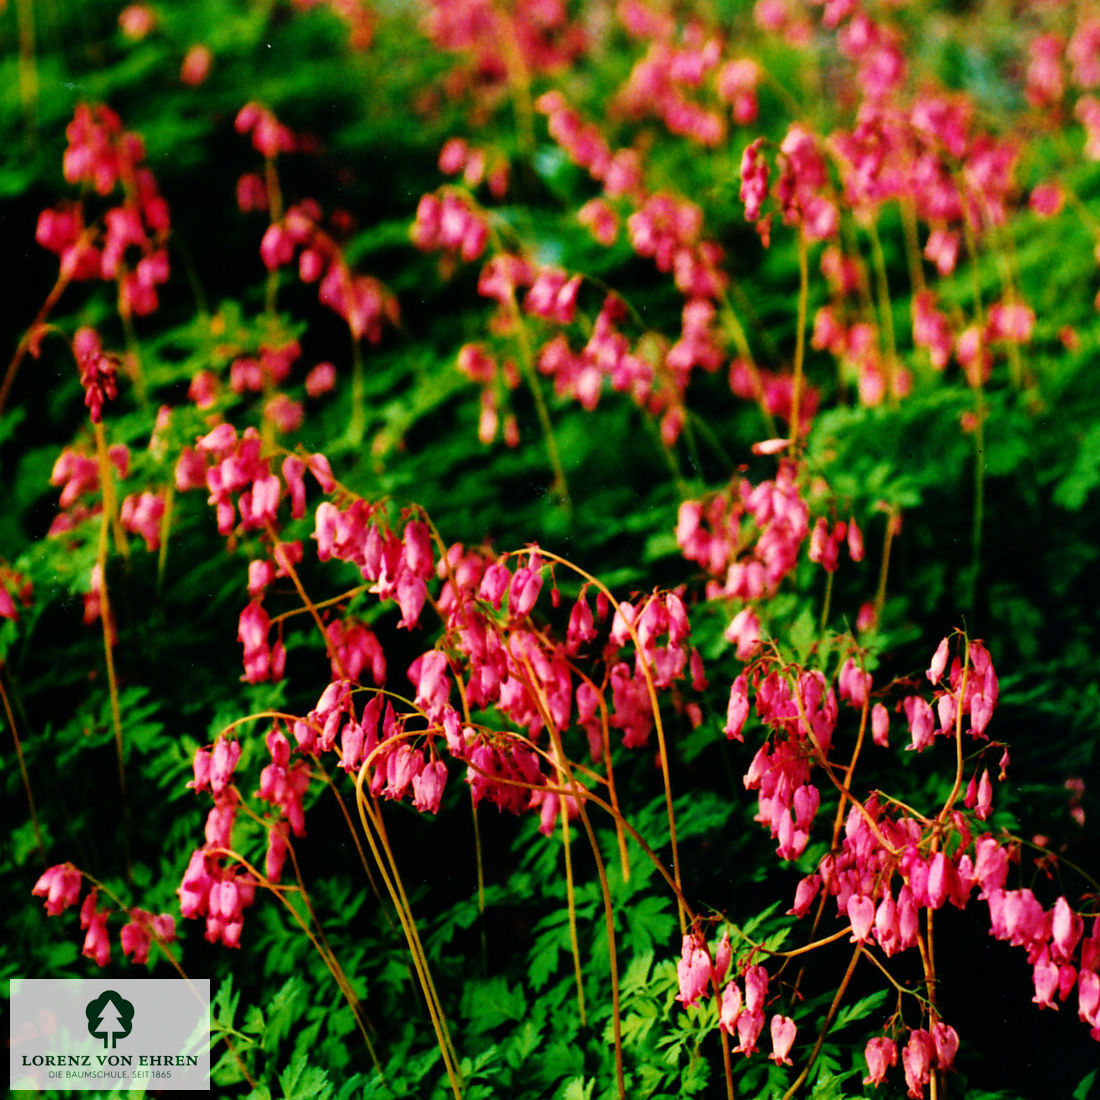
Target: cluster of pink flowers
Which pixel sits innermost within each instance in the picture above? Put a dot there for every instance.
(748, 538)
(210, 890)
(802, 192)
(212, 887)
(228, 465)
(512, 667)
(78, 475)
(481, 367)
(102, 154)
(451, 224)
(925, 1050)
(1049, 57)
(685, 78)
(925, 151)
(269, 136)
(880, 841)
(773, 391)
(506, 662)
(475, 164)
(448, 223)
(355, 648)
(498, 43)
(262, 371)
(608, 356)
(142, 514)
(14, 586)
(361, 300)
(889, 867)
(258, 374)
(855, 341)
(663, 228)
(97, 372)
(663, 81)
(741, 1015)
(396, 566)
(61, 885)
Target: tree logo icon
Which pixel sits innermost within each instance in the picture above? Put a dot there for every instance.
(110, 1017)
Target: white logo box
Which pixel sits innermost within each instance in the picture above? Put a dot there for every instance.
(109, 1033)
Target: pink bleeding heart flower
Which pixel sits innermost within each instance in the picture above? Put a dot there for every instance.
(783, 1032)
(946, 1041)
(881, 1053)
(731, 1008)
(939, 663)
(880, 725)
(756, 988)
(693, 971)
(60, 886)
(916, 1059)
(861, 912)
(738, 710)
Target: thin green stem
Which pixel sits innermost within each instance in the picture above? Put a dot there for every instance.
(357, 424)
(727, 1066)
(527, 363)
(833, 1009)
(361, 1017)
(800, 340)
(612, 790)
(201, 305)
(387, 866)
(912, 245)
(330, 649)
(163, 533)
(107, 487)
(480, 886)
(884, 568)
(979, 497)
(329, 960)
(828, 598)
(28, 68)
(571, 898)
(579, 795)
(657, 722)
(23, 772)
(133, 357)
(519, 81)
(358, 847)
(977, 384)
(882, 284)
(319, 604)
(24, 344)
(1004, 252)
(275, 206)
